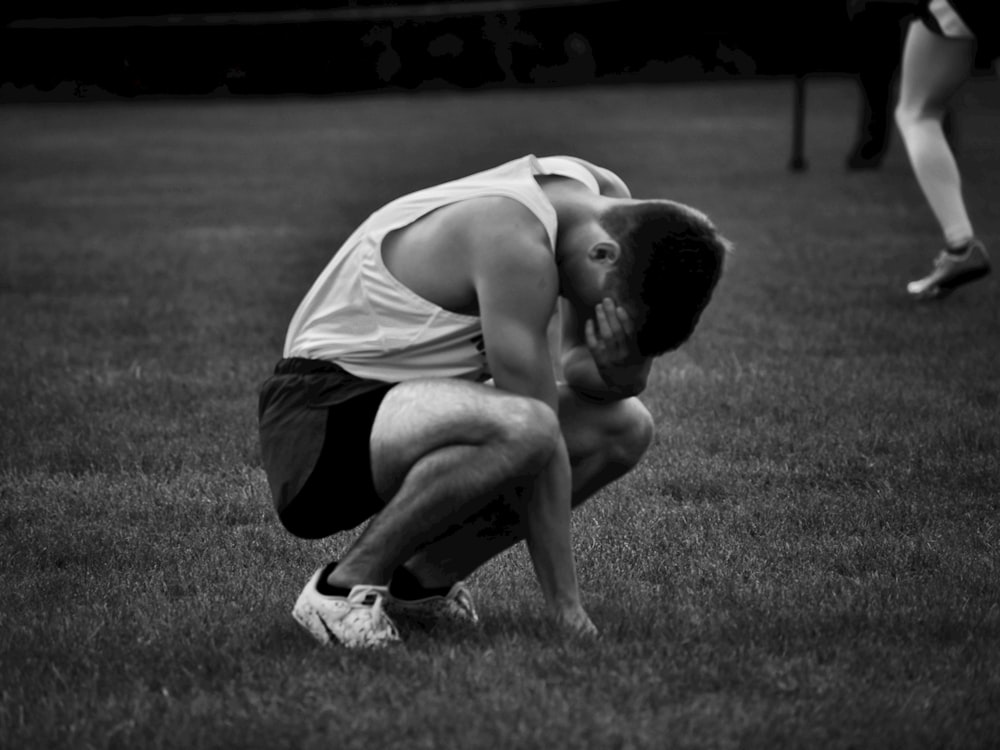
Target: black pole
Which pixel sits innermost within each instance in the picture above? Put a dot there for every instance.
(798, 161)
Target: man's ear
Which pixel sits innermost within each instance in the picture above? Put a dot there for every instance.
(606, 251)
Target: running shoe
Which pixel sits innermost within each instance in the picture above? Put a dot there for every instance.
(453, 604)
(951, 270)
(357, 620)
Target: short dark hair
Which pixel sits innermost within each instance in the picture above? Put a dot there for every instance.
(672, 259)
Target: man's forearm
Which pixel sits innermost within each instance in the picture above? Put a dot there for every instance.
(547, 533)
(583, 376)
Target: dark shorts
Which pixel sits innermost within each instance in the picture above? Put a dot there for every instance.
(315, 421)
(981, 17)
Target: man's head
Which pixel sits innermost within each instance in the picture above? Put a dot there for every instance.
(670, 258)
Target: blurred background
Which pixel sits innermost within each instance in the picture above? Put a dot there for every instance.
(221, 47)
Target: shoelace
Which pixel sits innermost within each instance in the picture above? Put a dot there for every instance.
(359, 596)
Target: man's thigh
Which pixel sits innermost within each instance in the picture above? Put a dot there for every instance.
(418, 417)
(934, 67)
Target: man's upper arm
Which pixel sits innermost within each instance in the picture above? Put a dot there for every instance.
(516, 289)
(574, 350)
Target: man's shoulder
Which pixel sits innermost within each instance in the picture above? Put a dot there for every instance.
(501, 228)
(488, 213)
(507, 245)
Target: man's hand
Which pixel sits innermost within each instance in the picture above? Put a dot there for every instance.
(610, 337)
(577, 622)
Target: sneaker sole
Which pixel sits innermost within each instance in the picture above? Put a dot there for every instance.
(965, 277)
(433, 611)
(940, 291)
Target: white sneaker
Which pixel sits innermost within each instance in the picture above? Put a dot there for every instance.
(951, 270)
(456, 605)
(355, 621)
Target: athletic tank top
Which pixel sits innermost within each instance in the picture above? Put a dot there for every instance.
(360, 316)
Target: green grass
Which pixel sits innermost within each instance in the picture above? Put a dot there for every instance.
(808, 557)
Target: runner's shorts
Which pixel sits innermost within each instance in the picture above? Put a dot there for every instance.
(315, 422)
(966, 19)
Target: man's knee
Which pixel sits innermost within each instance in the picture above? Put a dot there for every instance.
(899, 116)
(911, 122)
(639, 432)
(910, 114)
(906, 115)
(530, 430)
(628, 435)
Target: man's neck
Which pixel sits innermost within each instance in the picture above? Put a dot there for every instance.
(575, 204)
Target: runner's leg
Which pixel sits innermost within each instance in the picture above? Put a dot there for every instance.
(605, 441)
(440, 450)
(934, 69)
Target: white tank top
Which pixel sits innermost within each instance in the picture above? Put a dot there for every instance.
(360, 316)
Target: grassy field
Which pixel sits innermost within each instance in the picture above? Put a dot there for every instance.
(808, 557)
